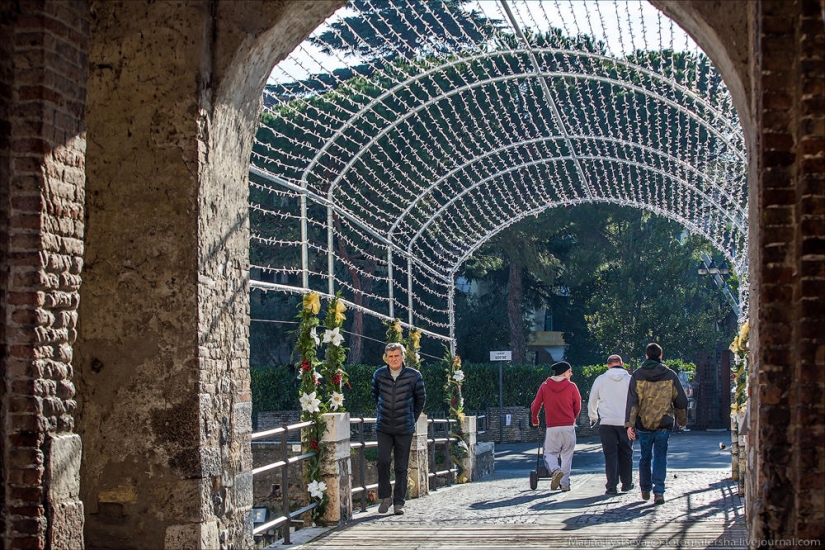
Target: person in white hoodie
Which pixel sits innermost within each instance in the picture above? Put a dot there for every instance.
(608, 398)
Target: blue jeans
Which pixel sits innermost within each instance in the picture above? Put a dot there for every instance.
(653, 445)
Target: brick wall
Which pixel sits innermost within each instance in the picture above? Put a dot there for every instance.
(43, 75)
(785, 492)
(6, 83)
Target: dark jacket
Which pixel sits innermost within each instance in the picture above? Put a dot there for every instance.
(655, 393)
(400, 400)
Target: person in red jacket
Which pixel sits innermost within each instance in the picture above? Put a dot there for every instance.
(562, 404)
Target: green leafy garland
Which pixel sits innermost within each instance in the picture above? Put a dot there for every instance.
(739, 347)
(312, 406)
(332, 368)
(394, 331)
(455, 401)
(412, 343)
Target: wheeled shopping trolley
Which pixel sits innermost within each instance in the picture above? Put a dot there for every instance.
(541, 469)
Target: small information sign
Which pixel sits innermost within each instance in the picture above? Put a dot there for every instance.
(501, 356)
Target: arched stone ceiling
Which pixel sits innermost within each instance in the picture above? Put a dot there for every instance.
(416, 131)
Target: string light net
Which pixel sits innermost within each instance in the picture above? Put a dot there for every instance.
(402, 135)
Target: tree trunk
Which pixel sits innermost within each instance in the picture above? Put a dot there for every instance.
(515, 314)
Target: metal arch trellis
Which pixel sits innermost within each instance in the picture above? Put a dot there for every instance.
(498, 112)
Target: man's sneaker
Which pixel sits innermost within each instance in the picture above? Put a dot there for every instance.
(556, 479)
(627, 488)
(385, 505)
(645, 495)
(399, 510)
(612, 491)
(565, 488)
(658, 499)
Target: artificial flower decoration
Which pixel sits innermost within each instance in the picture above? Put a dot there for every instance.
(339, 312)
(314, 335)
(336, 401)
(458, 376)
(457, 362)
(316, 488)
(415, 338)
(309, 403)
(312, 303)
(334, 336)
(396, 326)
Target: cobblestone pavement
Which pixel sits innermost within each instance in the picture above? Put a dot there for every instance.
(702, 509)
(691, 496)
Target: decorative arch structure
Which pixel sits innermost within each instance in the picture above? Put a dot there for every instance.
(413, 132)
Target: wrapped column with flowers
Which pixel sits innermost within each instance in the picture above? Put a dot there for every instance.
(455, 402)
(310, 397)
(332, 369)
(739, 407)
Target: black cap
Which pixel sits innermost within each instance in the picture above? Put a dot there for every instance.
(561, 367)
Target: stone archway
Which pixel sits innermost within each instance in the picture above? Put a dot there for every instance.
(160, 362)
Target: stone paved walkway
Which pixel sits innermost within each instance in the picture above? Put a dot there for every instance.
(702, 509)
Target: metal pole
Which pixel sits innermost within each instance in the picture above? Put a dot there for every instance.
(500, 403)
(285, 486)
(451, 308)
(330, 256)
(410, 304)
(304, 243)
(390, 292)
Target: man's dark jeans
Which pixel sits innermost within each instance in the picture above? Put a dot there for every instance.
(399, 445)
(618, 456)
(653, 447)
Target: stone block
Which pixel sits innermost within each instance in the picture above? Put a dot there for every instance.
(192, 535)
(243, 489)
(62, 461)
(210, 460)
(243, 418)
(66, 526)
(337, 428)
(484, 463)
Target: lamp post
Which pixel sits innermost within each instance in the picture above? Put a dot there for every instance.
(708, 267)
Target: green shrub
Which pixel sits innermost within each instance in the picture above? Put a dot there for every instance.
(276, 388)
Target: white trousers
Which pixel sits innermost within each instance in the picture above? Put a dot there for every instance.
(560, 442)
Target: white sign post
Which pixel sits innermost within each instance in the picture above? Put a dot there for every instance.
(501, 356)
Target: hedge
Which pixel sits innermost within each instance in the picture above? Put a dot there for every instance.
(276, 388)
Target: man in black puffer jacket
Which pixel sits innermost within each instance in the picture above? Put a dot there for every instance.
(399, 394)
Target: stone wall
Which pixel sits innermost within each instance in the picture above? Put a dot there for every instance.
(520, 430)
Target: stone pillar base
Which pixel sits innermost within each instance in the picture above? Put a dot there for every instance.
(335, 469)
(418, 482)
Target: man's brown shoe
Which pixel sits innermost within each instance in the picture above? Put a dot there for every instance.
(645, 495)
(658, 499)
(555, 479)
(385, 505)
